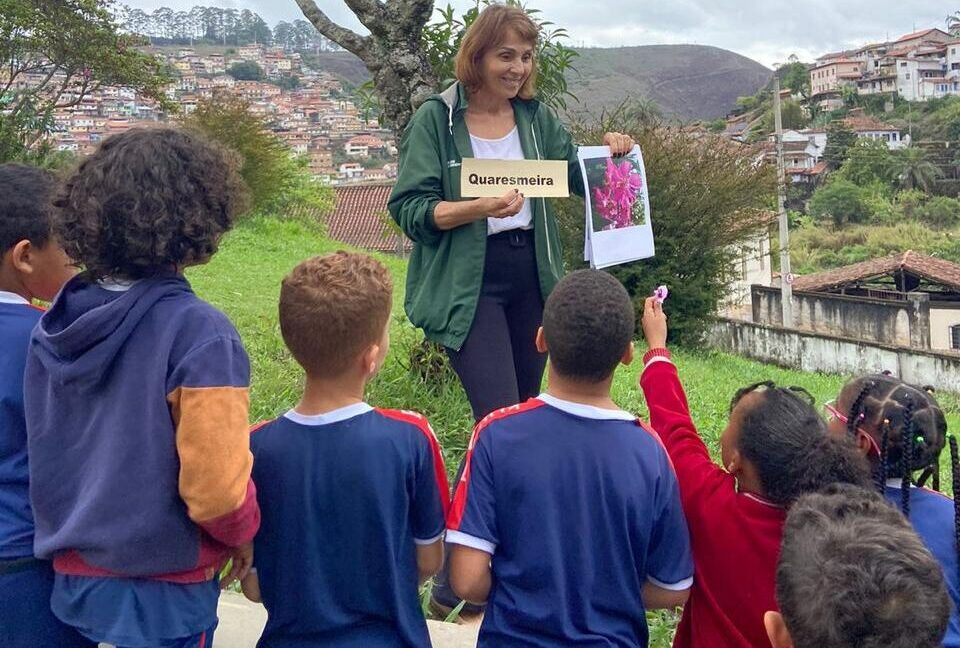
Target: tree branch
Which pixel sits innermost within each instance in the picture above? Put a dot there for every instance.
(416, 12)
(344, 37)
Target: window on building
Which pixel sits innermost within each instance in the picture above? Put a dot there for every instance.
(955, 337)
(903, 64)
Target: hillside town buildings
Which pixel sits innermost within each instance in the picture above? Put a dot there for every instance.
(919, 66)
(314, 116)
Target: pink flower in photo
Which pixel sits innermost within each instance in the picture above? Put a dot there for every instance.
(661, 293)
(615, 200)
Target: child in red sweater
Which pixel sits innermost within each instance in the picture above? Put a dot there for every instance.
(775, 448)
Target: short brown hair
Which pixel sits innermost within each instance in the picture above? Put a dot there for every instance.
(332, 308)
(489, 31)
(147, 201)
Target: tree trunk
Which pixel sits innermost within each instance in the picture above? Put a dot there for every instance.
(392, 52)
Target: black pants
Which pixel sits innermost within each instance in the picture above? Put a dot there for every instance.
(498, 364)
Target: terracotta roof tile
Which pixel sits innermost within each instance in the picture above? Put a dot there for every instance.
(918, 34)
(930, 268)
(358, 218)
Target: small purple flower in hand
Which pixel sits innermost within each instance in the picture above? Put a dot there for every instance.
(661, 294)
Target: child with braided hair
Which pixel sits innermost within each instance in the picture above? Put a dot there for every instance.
(902, 431)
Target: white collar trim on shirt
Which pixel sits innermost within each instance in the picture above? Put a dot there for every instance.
(334, 416)
(586, 411)
(117, 285)
(11, 298)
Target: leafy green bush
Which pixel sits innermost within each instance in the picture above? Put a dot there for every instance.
(940, 212)
(279, 182)
(841, 201)
(868, 162)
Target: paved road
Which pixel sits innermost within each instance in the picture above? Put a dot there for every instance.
(241, 622)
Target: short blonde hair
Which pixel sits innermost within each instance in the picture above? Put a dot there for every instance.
(489, 31)
(332, 308)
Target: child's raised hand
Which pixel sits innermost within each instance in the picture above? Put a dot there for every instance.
(654, 323)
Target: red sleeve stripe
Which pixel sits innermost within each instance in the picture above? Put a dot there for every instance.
(459, 504)
(256, 427)
(439, 470)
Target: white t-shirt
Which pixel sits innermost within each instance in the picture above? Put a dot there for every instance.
(505, 148)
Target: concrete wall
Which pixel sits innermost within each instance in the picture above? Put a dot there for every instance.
(905, 323)
(752, 266)
(811, 352)
(942, 317)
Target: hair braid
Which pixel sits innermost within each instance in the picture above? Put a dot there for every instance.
(955, 474)
(883, 468)
(906, 454)
(856, 410)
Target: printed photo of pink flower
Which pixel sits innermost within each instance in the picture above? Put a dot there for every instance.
(616, 193)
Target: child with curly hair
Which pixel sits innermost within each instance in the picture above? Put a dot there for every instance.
(136, 399)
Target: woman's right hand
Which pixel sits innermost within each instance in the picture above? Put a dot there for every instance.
(507, 205)
(449, 215)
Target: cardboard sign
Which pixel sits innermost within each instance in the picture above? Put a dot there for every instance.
(532, 178)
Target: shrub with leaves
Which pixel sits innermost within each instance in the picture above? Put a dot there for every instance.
(279, 182)
(841, 201)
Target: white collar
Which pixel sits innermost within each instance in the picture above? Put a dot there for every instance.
(335, 416)
(586, 411)
(12, 298)
(117, 285)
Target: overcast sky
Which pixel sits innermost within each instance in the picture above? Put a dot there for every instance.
(765, 30)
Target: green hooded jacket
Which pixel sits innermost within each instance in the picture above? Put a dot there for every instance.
(445, 272)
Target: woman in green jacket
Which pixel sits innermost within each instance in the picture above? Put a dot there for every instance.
(481, 269)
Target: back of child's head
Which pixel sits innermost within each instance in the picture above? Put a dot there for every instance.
(25, 213)
(333, 308)
(786, 440)
(854, 574)
(905, 421)
(588, 323)
(148, 202)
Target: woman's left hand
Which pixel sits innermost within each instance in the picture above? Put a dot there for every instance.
(619, 143)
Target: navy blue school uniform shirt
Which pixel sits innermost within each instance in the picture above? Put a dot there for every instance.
(345, 498)
(932, 516)
(17, 319)
(579, 507)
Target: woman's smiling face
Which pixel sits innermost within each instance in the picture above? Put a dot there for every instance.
(506, 67)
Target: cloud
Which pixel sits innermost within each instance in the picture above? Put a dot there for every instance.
(768, 31)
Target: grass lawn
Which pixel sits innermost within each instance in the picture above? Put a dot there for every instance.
(243, 279)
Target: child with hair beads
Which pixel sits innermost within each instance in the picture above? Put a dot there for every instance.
(901, 430)
(775, 448)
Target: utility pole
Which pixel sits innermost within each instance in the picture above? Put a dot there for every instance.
(786, 277)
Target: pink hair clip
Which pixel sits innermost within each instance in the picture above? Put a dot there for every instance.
(661, 294)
